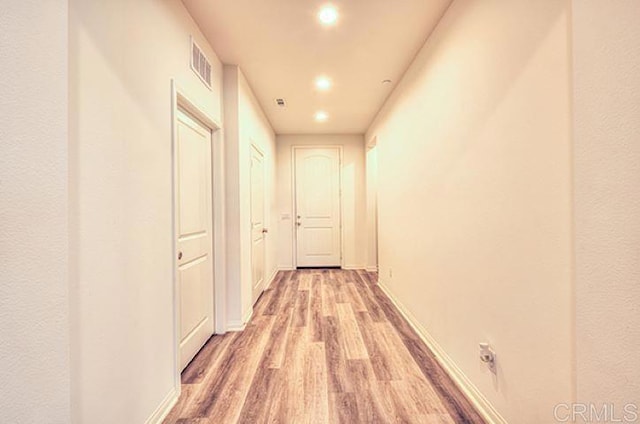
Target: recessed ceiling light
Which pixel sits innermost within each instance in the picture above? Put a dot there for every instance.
(328, 15)
(321, 116)
(323, 83)
(387, 81)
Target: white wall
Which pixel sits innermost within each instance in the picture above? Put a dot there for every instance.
(372, 207)
(606, 60)
(246, 124)
(34, 302)
(123, 56)
(353, 195)
(475, 198)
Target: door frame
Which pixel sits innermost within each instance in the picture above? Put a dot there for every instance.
(257, 148)
(294, 204)
(181, 100)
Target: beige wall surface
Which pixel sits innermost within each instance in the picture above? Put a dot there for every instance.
(34, 300)
(123, 57)
(606, 60)
(372, 207)
(353, 195)
(475, 198)
(246, 124)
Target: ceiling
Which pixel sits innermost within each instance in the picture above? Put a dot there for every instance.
(281, 47)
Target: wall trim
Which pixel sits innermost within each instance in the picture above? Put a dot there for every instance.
(164, 408)
(235, 326)
(286, 268)
(371, 269)
(247, 316)
(468, 389)
(353, 267)
(272, 278)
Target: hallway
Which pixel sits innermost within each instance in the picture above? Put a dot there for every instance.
(320, 211)
(322, 346)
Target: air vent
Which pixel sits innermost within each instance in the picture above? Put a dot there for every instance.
(200, 64)
(281, 103)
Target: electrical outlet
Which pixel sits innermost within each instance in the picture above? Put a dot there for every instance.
(488, 356)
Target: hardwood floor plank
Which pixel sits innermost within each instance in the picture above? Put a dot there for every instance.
(335, 357)
(289, 294)
(301, 314)
(292, 409)
(316, 309)
(316, 385)
(354, 298)
(222, 397)
(257, 403)
(349, 333)
(278, 286)
(339, 289)
(233, 397)
(193, 421)
(343, 408)
(305, 280)
(373, 407)
(323, 346)
(367, 296)
(328, 299)
(380, 354)
(274, 354)
(403, 412)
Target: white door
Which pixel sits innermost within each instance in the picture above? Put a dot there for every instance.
(317, 191)
(194, 241)
(258, 227)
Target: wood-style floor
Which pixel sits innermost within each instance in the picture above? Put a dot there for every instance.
(323, 346)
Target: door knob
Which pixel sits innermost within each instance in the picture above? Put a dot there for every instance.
(179, 255)
(265, 231)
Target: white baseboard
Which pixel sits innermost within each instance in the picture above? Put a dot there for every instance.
(353, 267)
(272, 277)
(471, 392)
(247, 316)
(164, 408)
(286, 268)
(371, 269)
(235, 325)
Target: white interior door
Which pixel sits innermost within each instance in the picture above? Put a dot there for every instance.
(317, 192)
(258, 227)
(194, 241)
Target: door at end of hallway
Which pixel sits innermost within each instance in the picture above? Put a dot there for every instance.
(318, 229)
